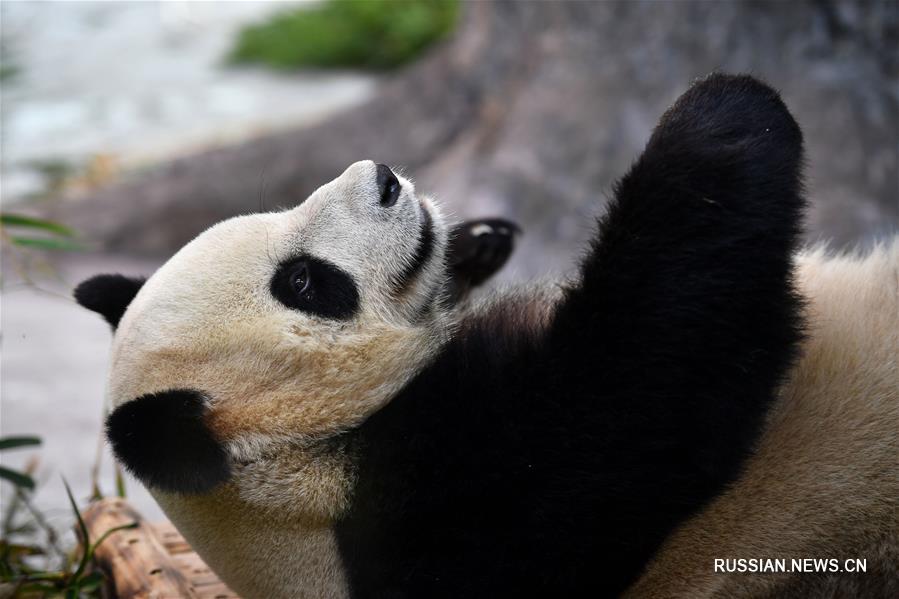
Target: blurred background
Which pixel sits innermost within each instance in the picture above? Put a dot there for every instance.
(129, 127)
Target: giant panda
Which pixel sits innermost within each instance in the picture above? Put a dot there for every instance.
(298, 394)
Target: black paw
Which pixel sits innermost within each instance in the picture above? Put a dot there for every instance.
(163, 440)
(478, 249)
(730, 121)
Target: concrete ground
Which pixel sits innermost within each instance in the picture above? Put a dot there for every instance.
(104, 87)
(101, 88)
(52, 373)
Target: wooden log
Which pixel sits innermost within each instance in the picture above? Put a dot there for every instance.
(137, 563)
(170, 538)
(202, 579)
(150, 561)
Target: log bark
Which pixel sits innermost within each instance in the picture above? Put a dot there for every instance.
(135, 562)
(149, 561)
(533, 109)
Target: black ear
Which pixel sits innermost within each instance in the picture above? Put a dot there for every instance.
(108, 295)
(162, 439)
(477, 250)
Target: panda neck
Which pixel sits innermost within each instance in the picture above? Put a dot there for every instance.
(259, 553)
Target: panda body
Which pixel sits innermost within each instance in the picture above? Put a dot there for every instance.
(824, 480)
(309, 413)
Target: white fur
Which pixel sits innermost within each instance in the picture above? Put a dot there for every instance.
(207, 320)
(281, 383)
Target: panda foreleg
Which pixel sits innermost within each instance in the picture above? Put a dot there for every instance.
(686, 318)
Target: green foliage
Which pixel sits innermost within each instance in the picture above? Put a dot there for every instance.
(80, 579)
(64, 574)
(16, 442)
(50, 235)
(19, 479)
(8, 71)
(367, 34)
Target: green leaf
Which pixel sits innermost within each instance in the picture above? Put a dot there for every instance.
(16, 550)
(119, 481)
(47, 576)
(20, 220)
(14, 442)
(49, 590)
(91, 581)
(105, 535)
(48, 243)
(17, 478)
(82, 528)
(347, 33)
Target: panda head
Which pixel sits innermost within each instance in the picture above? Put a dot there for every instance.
(244, 357)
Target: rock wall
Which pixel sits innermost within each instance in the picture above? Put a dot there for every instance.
(533, 109)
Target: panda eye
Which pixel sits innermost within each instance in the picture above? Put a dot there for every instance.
(315, 286)
(300, 280)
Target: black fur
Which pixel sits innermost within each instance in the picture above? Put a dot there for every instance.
(422, 254)
(331, 293)
(477, 250)
(162, 439)
(554, 464)
(108, 295)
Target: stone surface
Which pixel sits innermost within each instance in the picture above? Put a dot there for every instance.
(52, 379)
(108, 87)
(534, 109)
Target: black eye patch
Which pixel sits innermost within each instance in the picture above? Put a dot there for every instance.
(316, 287)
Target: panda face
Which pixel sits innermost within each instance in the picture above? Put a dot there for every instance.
(272, 332)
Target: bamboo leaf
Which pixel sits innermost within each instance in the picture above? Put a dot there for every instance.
(82, 529)
(20, 220)
(17, 478)
(48, 243)
(16, 550)
(119, 481)
(46, 577)
(105, 535)
(92, 581)
(14, 442)
(37, 587)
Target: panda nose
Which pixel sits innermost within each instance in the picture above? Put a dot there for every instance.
(388, 186)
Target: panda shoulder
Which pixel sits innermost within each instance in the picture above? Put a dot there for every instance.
(852, 306)
(844, 282)
(512, 312)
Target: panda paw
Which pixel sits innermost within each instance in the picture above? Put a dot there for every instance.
(730, 124)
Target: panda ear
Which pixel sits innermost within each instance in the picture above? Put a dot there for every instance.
(108, 295)
(478, 250)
